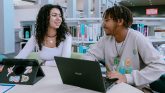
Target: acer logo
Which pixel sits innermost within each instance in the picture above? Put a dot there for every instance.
(77, 73)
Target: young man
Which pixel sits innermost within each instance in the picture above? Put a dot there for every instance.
(123, 48)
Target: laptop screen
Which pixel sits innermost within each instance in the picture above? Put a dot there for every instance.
(29, 62)
(20, 71)
(82, 73)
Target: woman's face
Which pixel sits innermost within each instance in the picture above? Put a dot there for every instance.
(55, 18)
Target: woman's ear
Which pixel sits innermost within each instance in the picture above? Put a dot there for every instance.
(48, 17)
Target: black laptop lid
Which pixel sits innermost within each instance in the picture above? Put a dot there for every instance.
(21, 62)
(82, 73)
(20, 71)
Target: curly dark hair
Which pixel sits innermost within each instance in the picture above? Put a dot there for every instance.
(118, 12)
(42, 22)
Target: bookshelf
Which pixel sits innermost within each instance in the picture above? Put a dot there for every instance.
(81, 45)
(149, 18)
(27, 30)
(92, 29)
(144, 29)
(156, 30)
(89, 19)
(84, 19)
(86, 31)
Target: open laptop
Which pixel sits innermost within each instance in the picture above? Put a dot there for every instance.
(83, 73)
(20, 71)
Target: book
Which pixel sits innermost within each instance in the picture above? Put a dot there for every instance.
(5, 87)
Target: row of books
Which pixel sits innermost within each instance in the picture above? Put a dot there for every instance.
(80, 48)
(86, 32)
(93, 32)
(27, 31)
(141, 28)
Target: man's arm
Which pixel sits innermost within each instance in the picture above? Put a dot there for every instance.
(155, 65)
(96, 51)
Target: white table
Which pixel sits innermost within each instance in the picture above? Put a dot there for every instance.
(52, 83)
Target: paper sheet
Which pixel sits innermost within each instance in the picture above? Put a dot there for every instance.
(50, 63)
(5, 87)
(122, 87)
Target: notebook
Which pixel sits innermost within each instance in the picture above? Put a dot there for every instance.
(83, 73)
(20, 71)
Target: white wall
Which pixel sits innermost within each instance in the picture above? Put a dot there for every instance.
(25, 14)
(1, 27)
(7, 40)
(29, 12)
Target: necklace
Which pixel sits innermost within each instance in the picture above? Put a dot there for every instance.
(119, 53)
(50, 42)
(117, 58)
(51, 39)
(51, 36)
(119, 50)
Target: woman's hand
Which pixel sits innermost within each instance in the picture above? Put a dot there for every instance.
(121, 78)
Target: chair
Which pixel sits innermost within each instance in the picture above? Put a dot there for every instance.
(159, 85)
(2, 57)
(34, 55)
(76, 55)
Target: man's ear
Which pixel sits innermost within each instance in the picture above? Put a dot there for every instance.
(120, 22)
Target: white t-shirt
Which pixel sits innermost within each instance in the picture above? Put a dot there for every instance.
(47, 54)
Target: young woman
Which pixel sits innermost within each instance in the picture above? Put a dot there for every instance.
(52, 37)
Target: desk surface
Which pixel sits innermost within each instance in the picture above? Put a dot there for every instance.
(52, 83)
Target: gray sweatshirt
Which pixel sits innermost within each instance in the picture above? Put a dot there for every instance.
(135, 45)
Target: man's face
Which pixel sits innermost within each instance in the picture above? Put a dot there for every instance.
(109, 26)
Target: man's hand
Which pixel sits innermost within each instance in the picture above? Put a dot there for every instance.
(121, 78)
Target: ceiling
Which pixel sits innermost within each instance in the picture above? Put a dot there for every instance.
(123, 2)
(24, 2)
(142, 2)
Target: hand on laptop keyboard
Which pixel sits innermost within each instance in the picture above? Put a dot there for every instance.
(110, 82)
(115, 74)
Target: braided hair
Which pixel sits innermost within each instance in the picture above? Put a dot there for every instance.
(118, 12)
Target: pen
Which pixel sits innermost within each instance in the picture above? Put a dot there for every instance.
(1, 84)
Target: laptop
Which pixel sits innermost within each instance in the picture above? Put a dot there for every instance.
(20, 71)
(83, 73)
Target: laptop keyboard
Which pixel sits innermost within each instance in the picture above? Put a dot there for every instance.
(109, 82)
(103, 71)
